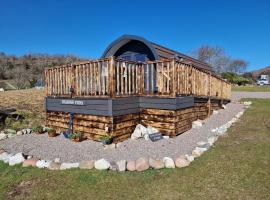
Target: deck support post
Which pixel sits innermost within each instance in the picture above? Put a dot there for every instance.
(209, 95)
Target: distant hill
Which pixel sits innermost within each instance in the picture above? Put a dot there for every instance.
(256, 73)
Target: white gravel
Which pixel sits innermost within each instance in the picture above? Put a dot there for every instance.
(44, 147)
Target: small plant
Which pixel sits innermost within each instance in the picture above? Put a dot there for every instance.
(51, 132)
(38, 129)
(107, 139)
(76, 136)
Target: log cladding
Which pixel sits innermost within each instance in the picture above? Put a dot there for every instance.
(94, 127)
(175, 122)
(171, 122)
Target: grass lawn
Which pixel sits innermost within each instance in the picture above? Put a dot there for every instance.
(251, 88)
(237, 167)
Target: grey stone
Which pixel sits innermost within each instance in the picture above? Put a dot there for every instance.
(69, 165)
(156, 164)
(102, 164)
(131, 165)
(19, 133)
(142, 164)
(54, 166)
(168, 162)
(30, 163)
(197, 124)
(110, 146)
(3, 136)
(87, 164)
(43, 164)
(121, 165)
(181, 161)
(16, 159)
(10, 131)
(113, 166)
(205, 146)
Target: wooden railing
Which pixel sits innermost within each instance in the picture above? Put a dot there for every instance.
(112, 77)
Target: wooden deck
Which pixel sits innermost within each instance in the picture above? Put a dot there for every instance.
(111, 96)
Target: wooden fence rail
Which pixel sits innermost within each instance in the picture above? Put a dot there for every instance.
(112, 77)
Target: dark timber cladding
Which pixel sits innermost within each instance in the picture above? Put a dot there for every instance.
(131, 47)
(135, 82)
(116, 107)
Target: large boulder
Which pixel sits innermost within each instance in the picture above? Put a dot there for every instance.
(168, 162)
(87, 164)
(69, 166)
(156, 164)
(131, 165)
(121, 165)
(16, 159)
(30, 163)
(181, 161)
(102, 164)
(139, 132)
(142, 164)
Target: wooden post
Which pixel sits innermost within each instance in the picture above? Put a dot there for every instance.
(173, 81)
(209, 95)
(111, 77)
(221, 92)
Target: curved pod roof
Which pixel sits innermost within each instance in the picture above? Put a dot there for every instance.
(136, 44)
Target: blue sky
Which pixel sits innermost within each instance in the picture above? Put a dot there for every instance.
(85, 28)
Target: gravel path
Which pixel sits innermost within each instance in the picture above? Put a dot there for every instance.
(41, 146)
(261, 95)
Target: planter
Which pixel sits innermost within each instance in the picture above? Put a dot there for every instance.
(52, 133)
(39, 132)
(76, 139)
(107, 141)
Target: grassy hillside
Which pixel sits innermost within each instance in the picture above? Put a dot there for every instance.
(237, 167)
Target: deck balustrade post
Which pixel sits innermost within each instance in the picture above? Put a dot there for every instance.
(173, 79)
(112, 77)
(73, 79)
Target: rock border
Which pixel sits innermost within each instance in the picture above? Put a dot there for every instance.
(140, 164)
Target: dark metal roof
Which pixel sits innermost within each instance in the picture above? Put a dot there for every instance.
(159, 52)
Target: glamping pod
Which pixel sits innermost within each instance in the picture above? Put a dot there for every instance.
(134, 82)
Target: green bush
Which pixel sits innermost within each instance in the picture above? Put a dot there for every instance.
(236, 79)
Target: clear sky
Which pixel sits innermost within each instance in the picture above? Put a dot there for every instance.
(85, 28)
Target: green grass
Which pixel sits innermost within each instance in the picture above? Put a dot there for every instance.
(251, 88)
(237, 167)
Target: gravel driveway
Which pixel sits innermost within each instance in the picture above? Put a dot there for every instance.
(41, 146)
(239, 95)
